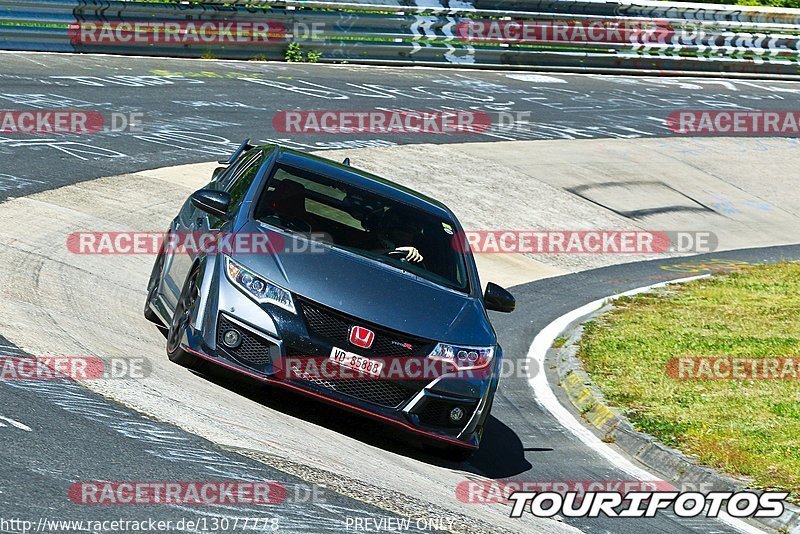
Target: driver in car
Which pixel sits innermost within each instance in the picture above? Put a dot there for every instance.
(288, 200)
(393, 237)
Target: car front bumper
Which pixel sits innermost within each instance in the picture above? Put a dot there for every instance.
(271, 337)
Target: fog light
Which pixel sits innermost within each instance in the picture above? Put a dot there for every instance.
(456, 414)
(232, 338)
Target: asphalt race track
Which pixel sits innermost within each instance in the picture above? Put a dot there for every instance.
(97, 439)
(195, 111)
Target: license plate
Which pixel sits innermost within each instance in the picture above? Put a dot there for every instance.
(356, 362)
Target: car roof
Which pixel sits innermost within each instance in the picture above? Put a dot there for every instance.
(358, 178)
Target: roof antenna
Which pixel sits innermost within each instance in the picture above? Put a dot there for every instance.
(346, 162)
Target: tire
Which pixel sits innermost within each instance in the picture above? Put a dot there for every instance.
(180, 322)
(152, 288)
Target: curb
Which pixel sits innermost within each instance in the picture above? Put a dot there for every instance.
(680, 469)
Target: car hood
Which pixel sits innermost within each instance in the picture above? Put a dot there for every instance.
(371, 291)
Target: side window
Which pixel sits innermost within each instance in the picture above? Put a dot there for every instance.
(243, 179)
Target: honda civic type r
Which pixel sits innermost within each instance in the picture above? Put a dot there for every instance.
(361, 277)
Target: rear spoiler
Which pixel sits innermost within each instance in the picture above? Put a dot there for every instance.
(244, 147)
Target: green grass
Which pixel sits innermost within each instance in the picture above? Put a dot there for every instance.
(747, 428)
(773, 3)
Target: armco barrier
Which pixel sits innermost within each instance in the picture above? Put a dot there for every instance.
(513, 8)
(675, 38)
(36, 25)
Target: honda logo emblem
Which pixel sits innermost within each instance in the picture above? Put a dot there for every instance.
(361, 337)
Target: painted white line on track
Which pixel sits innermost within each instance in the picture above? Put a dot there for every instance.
(547, 398)
(15, 424)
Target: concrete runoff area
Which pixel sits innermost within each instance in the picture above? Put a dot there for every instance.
(55, 301)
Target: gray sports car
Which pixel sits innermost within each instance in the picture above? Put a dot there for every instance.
(314, 276)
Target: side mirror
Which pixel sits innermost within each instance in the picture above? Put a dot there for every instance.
(212, 201)
(498, 299)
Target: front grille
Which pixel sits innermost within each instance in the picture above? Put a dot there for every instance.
(253, 350)
(436, 412)
(334, 327)
(297, 352)
(381, 392)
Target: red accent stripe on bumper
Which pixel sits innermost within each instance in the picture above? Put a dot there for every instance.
(330, 400)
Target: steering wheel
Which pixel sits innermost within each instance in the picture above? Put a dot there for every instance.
(398, 254)
(402, 256)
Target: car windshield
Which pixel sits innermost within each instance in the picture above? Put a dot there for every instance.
(364, 223)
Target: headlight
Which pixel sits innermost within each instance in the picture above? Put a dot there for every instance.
(260, 289)
(464, 358)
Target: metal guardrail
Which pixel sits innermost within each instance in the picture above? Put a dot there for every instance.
(684, 38)
(36, 25)
(639, 8)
